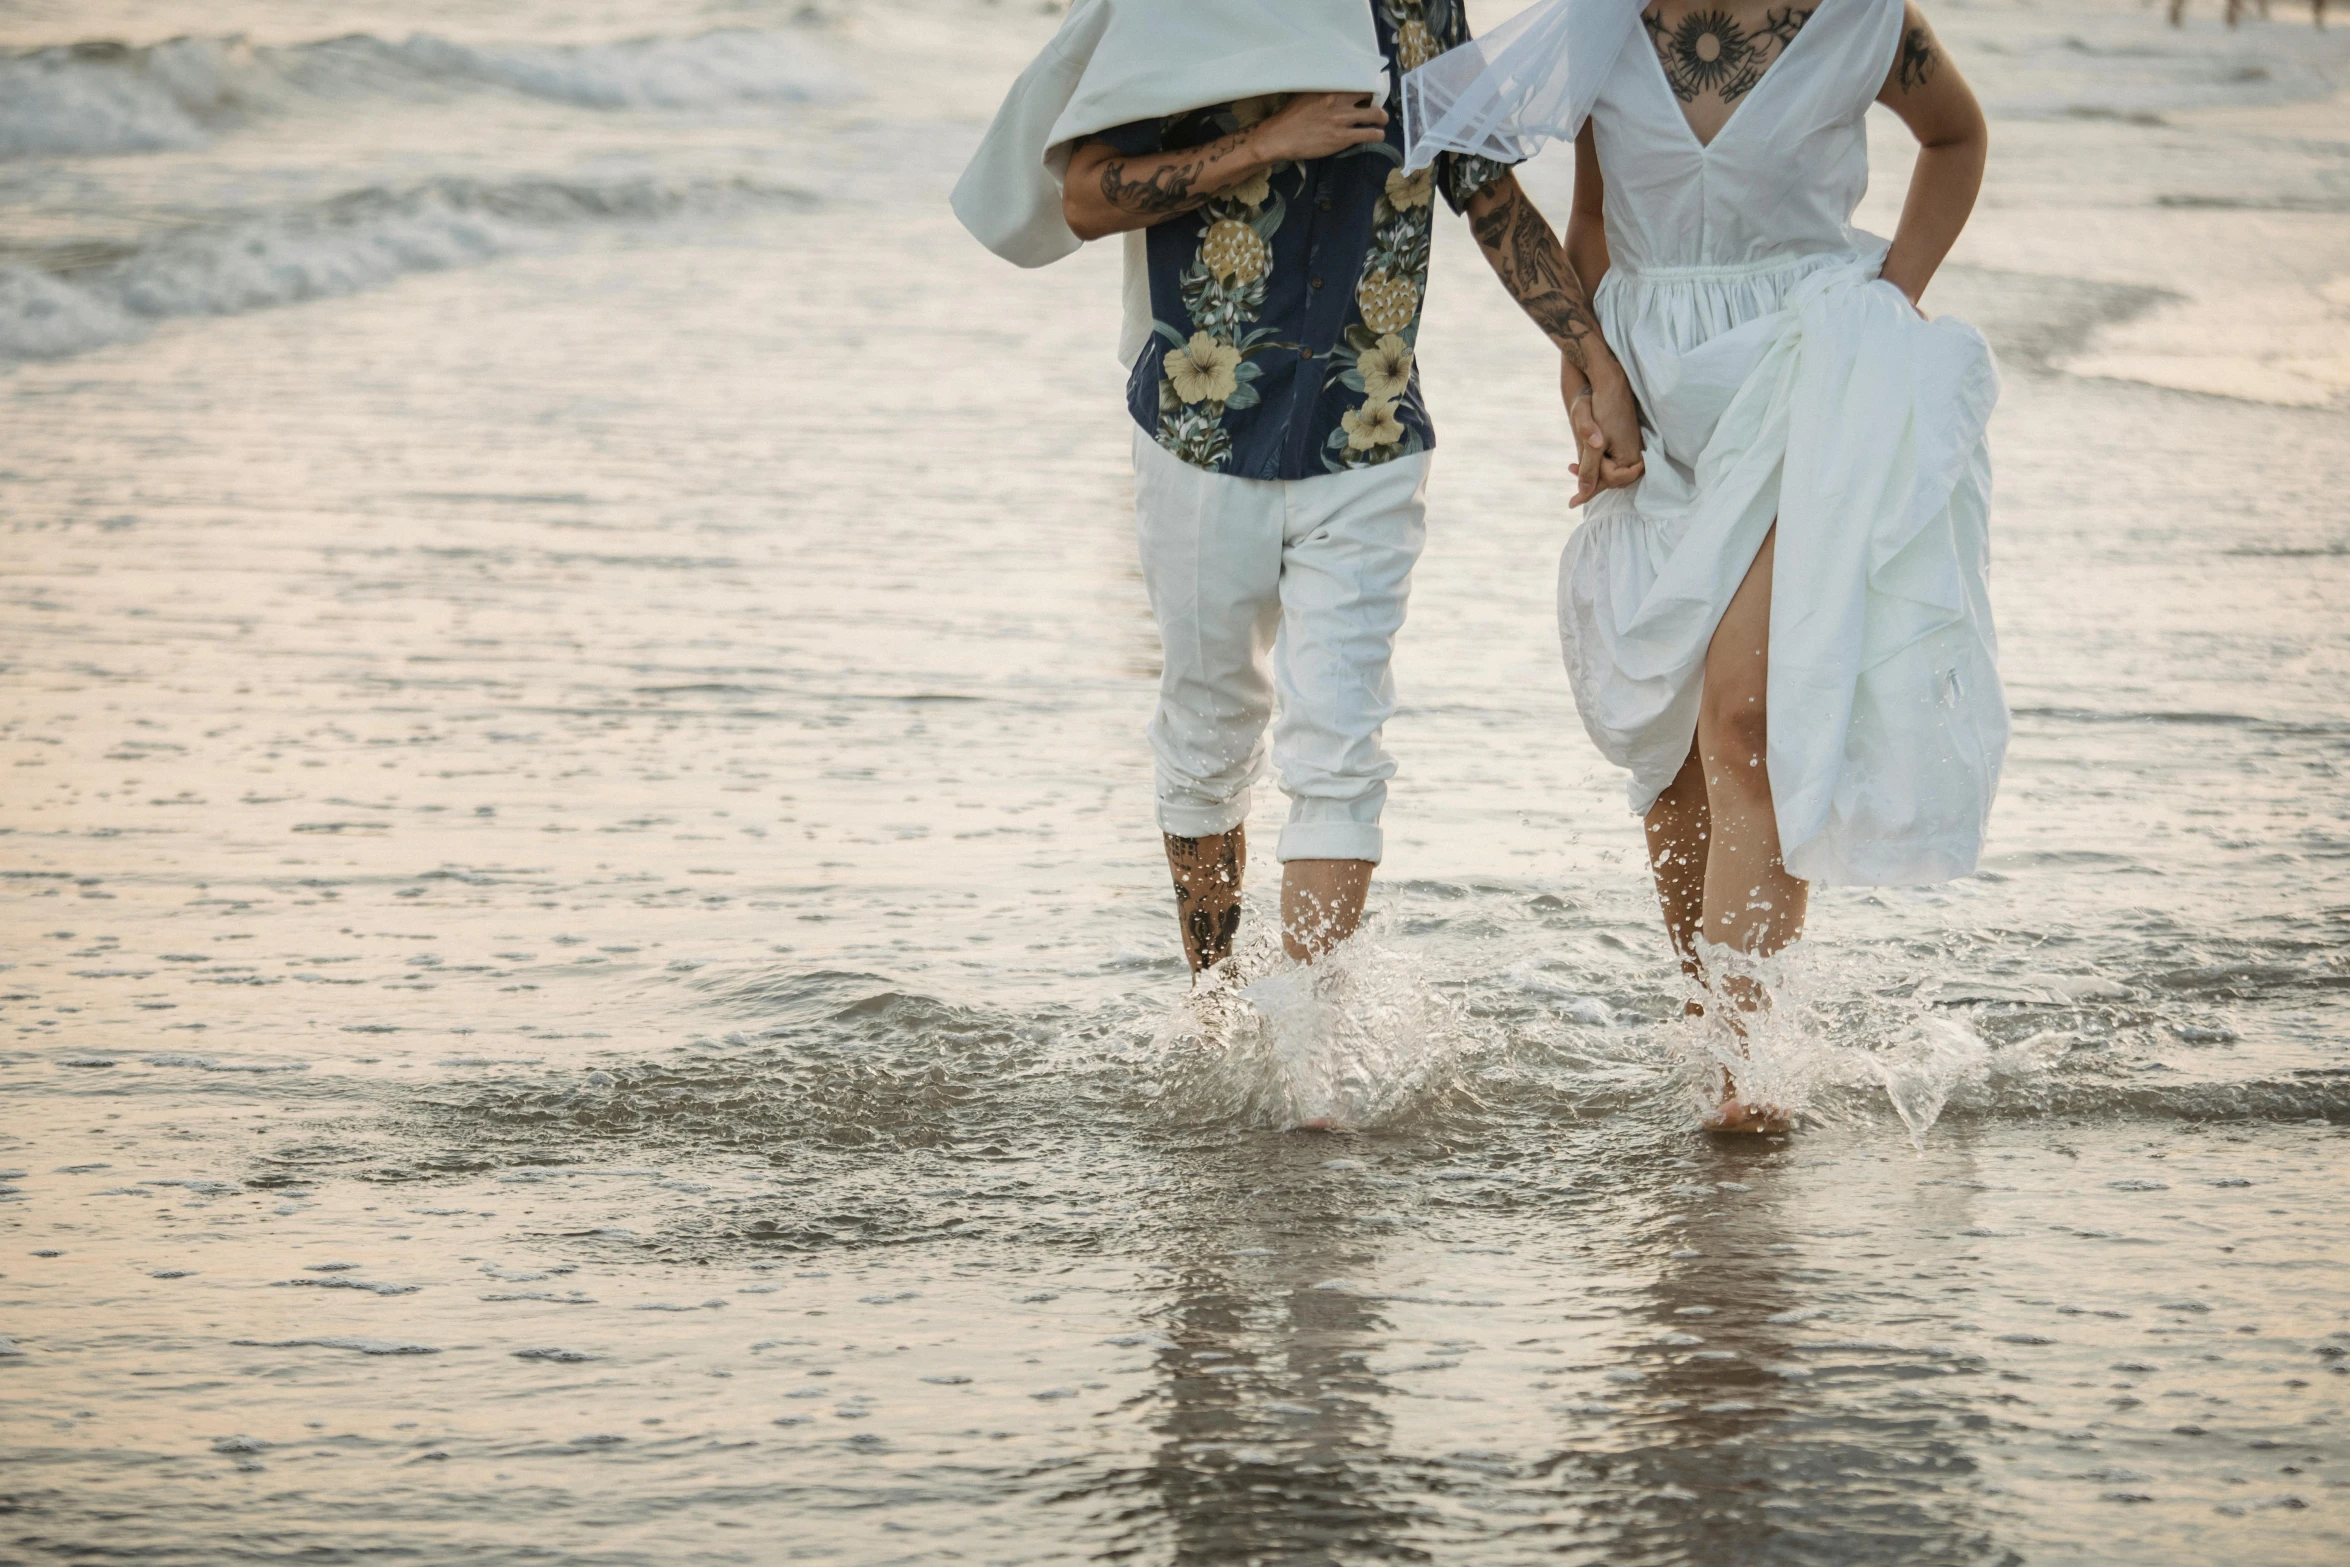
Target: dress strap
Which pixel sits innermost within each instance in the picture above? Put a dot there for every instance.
(1874, 37)
(1846, 50)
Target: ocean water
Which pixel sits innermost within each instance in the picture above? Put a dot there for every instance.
(584, 970)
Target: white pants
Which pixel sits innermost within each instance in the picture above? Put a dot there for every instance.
(1314, 572)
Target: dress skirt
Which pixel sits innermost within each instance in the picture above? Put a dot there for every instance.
(1807, 392)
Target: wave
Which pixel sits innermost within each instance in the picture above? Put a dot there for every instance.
(69, 301)
(108, 98)
(2138, 74)
(2188, 718)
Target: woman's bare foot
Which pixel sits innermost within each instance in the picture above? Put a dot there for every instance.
(1737, 1115)
(1754, 1120)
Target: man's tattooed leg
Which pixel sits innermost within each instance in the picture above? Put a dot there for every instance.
(1207, 893)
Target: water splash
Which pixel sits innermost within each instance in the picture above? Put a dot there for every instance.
(1380, 1032)
(1347, 1043)
(1839, 1039)
(1920, 1072)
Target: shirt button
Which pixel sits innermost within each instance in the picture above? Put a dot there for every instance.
(1317, 282)
(1305, 353)
(1325, 206)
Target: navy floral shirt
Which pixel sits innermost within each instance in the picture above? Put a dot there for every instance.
(1287, 310)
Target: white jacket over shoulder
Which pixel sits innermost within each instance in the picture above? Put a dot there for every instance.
(1117, 61)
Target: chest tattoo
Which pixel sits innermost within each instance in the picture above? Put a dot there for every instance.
(1709, 53)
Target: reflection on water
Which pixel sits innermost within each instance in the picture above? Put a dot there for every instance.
(1266, 1405)
(975, 1270)
(1736, 1434)
(584, 971)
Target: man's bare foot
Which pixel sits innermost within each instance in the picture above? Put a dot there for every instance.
(1758, 1120)
(1321, 1123)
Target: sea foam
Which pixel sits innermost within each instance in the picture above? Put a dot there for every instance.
(105, 98)
(353, 242)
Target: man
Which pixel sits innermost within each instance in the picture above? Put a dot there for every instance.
(1282, 448)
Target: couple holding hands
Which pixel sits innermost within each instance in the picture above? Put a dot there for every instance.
(1813, 702)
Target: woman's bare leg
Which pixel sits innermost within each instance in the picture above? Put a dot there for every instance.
(1678, 825)
(1751, 905)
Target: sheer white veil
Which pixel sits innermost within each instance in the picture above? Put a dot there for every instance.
(1530, 80)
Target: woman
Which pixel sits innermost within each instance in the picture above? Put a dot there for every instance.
(1777, 618)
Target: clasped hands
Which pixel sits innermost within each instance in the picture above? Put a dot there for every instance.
(1606, 420)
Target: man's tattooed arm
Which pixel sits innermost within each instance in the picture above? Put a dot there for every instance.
(1536, 270)
(1527, 258)
(1105, 191)
(1160, 187)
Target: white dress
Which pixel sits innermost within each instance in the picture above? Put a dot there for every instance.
(1781, 380)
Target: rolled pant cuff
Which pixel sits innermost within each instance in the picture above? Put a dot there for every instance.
(1192, 819)
(1330, 841)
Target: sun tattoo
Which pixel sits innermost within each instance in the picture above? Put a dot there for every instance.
(1709, 52)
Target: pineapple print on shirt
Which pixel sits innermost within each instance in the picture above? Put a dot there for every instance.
(1287, 309)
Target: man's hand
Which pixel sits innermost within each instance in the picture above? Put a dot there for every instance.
(1606, 422)
(1315, 125)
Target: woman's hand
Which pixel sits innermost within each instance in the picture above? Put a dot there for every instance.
(1606, 420)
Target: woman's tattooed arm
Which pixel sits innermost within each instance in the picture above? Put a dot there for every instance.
(1915, 67)
(1924, 87)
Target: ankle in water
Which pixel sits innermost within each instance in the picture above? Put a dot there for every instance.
(1350, 1041)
